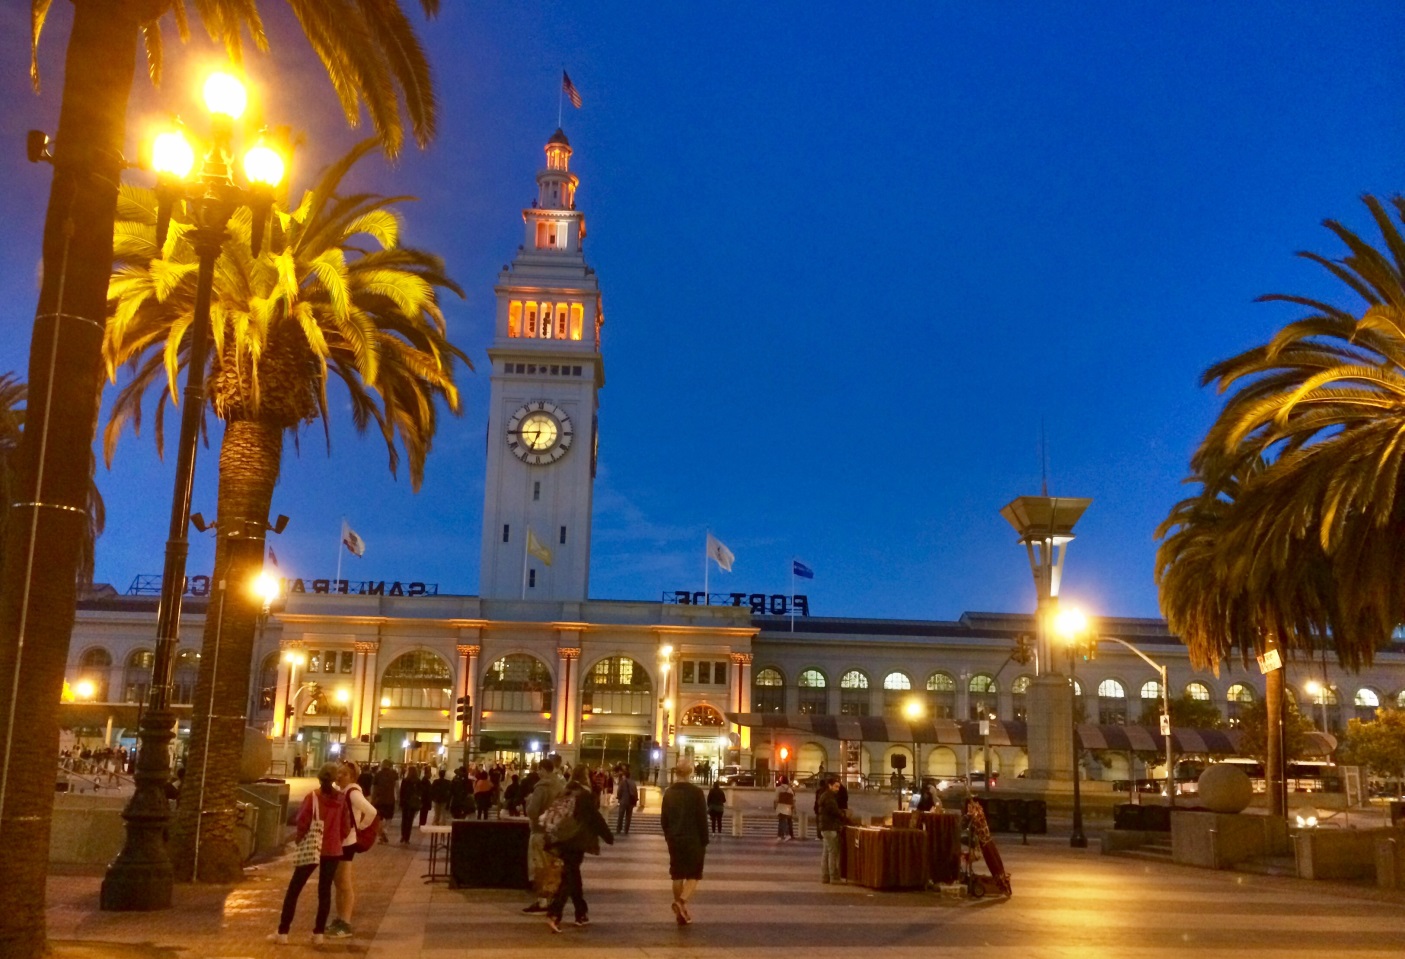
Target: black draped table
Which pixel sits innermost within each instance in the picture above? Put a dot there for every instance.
(489, 853)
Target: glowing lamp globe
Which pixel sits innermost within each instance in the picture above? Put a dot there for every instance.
(263, 166)
(172, 154)
(225, 95)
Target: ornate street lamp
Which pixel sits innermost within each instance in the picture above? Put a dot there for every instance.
(914, 711)
(141, 877)
(1045, 527)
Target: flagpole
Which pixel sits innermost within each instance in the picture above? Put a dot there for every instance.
(560, 96)
(525, 540)
(705, 569)
(792, 594)
(339, 548)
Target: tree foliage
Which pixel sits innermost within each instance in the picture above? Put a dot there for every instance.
(1379, 744)
(1253, 731)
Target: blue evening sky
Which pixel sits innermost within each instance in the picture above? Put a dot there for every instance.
(852, 257)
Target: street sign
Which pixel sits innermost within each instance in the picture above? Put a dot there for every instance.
(1165, 725)
(1270, 661)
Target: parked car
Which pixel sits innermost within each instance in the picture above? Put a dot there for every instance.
(736, 776)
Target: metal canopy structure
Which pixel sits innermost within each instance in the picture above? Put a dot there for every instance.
(952, 732)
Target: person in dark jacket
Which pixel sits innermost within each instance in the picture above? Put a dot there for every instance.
(683, 817)
(409, 802)
(383, 790)
(460, 794)
(440, 793)
(716, 805)
(426, 801)
(832, 820)
(590, 829)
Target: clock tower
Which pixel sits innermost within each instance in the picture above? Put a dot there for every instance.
(546, 371)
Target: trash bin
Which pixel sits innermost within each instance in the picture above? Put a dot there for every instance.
(1156, 818)
(1018, 810)
(1036, 817)
(997, 813)
(1397, 812)
(1127, 816)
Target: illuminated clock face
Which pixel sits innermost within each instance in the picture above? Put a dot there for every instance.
(539, 433)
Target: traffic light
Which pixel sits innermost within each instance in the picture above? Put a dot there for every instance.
(465, 708)
(1024, 650)
(1090, 650)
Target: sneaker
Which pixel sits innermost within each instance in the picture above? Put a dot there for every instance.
(582, 921)
(317, 938)
(535, 907)
(339, 929)
(553, 923)
(278, 938)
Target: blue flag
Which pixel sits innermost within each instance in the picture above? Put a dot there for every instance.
(798, 568)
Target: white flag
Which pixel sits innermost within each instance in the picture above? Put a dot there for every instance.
(720, 553)
(352, 541)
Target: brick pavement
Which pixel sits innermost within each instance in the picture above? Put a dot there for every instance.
(759, 898)
(220, 922)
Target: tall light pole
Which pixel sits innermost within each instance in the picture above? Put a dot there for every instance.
(914, 710)
(141, 878)
(1045, 527)
(1071, 624)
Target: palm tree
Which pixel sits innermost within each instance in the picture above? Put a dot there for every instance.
(336, 297)
(372, 55)
(1294, 539)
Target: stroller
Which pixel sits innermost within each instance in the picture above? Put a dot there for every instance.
(976, 841)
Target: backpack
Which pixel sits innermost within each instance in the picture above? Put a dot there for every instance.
(559, 822)
(367, 835)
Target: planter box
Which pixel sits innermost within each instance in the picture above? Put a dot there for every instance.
(1340, 853)
(1220, 840)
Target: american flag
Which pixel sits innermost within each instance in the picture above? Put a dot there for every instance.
(570, 89)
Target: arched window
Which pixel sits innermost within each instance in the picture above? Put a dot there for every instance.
(853, 694)
(941, 696)
(517, 683)
(95, 666)
(1151, 690)
(618, 686)
(1367, 702)
(982, 703)
(702, 715)
(267, 690)
(136, 675)
(1112, 703)
(1019, 698)
(183, 677)
(1400, 699)
(419, 679)
(1198, 692)
(814, 697)
(897, 693)
(1239, 698)
(768, 691)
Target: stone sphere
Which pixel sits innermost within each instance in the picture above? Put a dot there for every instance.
(1225, 788)
(257, 756)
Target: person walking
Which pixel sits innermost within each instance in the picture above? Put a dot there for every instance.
(426, 799)
(683, 817)
(327, 806)
(832, 821)
(543, 867)
(482, 794)
(460, 794)
(363, 814)
(583, 839)
(409, 802)
(627, 796)
(383, 790)
(440, 792)
(785, 810)
(716, 805)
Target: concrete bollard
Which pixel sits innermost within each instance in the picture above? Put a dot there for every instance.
(737, 823)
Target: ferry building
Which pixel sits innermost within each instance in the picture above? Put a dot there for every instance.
(533, 665)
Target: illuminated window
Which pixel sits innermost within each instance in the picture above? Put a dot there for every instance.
(941, 696)
(1151, 690)
(1112, 703)
(983, 701)
(618, 686)
(702, 715)
(187, 670)
(1198, 692)
(768, 691)
(896, 693)
(547, 326)
(136, 677)
(531, 319)
(514, 318)
(1367, 702)
(95, 666)
(1019, 693)
(577, 320)
(853, 694)
(561, 321)
(517, 683)
(814, 698)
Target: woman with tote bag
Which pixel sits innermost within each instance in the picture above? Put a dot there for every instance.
(323, 821)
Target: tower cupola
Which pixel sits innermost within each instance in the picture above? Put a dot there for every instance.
(556, 185)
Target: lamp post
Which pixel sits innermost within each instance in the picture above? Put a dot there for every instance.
(1165, 711)
(914, 711)
(141, 877)
(1071, 625)
(265, 586)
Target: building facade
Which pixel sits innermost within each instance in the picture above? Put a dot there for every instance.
(532, 665)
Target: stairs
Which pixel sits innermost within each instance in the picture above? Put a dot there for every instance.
(1269, 866)
(646, 823)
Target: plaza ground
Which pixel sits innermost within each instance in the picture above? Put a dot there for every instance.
(759, 898)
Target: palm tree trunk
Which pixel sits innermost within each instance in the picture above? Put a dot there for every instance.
(203, 841)
(43, 544)
(1275, 766)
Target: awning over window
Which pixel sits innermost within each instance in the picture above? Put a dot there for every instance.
(951, 732)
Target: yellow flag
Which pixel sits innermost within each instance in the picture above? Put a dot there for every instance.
(537, 548)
